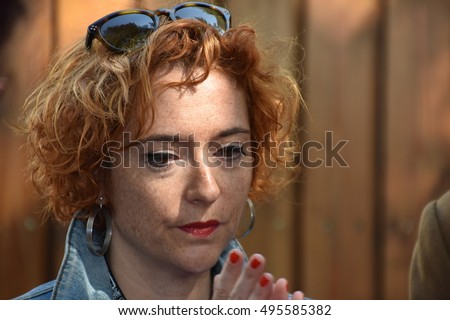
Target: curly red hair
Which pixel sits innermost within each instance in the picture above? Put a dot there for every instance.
(89, 97)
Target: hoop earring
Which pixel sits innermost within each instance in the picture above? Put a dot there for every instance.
(252, 220)
(94, 249)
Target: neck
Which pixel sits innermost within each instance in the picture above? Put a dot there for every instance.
(139, 278)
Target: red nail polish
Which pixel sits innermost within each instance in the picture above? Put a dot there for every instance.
(263, 281)
(255, 263)
(234, 257)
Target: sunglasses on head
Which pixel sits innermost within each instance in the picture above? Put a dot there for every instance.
(127, 30)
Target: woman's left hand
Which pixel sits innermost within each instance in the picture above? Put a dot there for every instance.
(249, 282)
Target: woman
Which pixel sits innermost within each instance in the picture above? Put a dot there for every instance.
(151, 140)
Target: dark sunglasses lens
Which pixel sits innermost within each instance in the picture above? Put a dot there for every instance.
(128, 31)
(205, 14)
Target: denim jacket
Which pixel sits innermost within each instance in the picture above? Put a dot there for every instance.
(84, 276)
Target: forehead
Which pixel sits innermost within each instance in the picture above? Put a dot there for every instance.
(214, 105)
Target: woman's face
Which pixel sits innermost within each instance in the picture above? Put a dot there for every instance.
(176, 199)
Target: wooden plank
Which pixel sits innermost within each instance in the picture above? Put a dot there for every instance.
(275, 228)
(338, 202)
(22, 240)
(418, 137)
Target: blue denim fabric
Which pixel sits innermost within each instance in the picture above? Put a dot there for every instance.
(83, 276)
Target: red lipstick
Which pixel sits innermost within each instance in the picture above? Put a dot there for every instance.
(200, 229)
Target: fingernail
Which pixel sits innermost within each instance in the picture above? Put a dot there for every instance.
(255, 263)
(287, 286)
(234, 257)
(263, 281)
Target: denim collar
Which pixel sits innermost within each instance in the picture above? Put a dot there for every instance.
(84, 276)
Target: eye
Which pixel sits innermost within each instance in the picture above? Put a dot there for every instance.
(160, 160)
(231, 152)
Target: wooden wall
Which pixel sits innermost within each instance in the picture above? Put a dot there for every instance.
(375, 74)
(24, 247)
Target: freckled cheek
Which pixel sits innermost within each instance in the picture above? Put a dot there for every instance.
(235, 189)
(237, 183)
(136, 197)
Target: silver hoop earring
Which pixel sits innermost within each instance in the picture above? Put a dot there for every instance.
(252, 220)
(95, 249)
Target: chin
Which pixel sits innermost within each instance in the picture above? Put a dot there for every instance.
(199, 260)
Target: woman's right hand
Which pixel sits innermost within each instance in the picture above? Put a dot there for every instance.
(249, 282)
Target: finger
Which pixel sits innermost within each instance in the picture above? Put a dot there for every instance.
(225, 281)
(249, 278)
(280, 290)
(263, 289)
(298, 295)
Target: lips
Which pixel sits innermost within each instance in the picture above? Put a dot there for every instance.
(200, 229)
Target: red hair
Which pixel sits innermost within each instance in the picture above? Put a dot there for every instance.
(89, 97)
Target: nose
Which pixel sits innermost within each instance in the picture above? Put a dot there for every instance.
(202, 186)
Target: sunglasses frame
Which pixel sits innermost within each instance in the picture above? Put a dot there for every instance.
(93, 31)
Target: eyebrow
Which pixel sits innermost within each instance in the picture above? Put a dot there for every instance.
(163, 138)
(177, 139)
(231, 132)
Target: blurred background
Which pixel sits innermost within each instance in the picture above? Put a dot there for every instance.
(374, 73)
